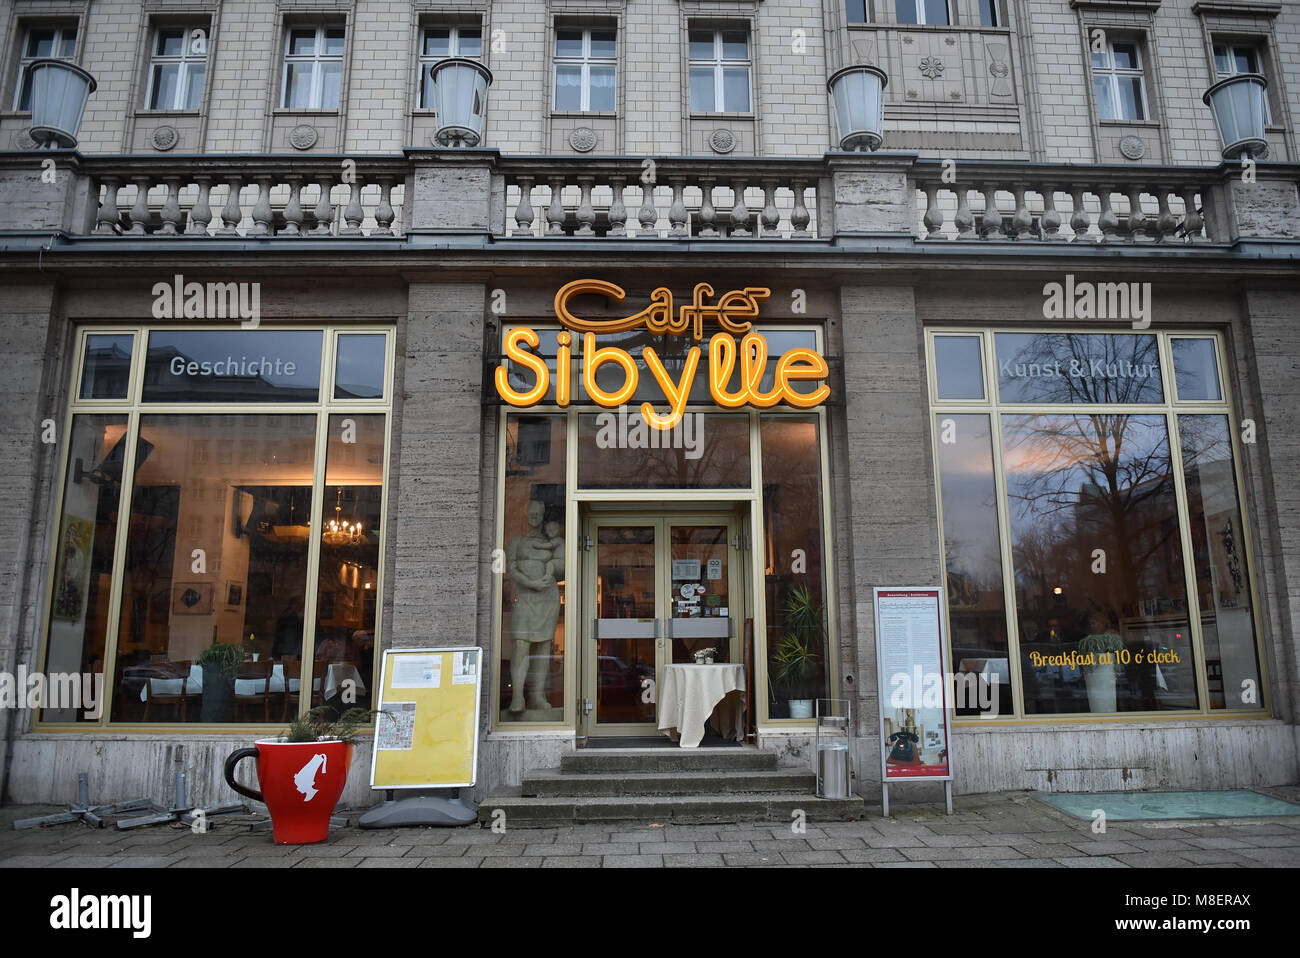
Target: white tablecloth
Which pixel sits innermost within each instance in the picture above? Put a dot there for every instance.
(335, 676)
(689, 694)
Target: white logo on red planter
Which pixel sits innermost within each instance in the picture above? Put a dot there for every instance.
(305, 780)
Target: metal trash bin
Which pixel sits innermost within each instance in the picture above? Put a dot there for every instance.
(833, 748)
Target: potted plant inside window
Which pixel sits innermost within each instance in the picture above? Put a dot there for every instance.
(220, 663)
(303, 772)
(796, 663)
(1101, 640)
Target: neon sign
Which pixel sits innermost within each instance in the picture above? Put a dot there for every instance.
(734, 313)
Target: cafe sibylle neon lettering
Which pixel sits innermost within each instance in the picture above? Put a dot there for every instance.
(733, 312)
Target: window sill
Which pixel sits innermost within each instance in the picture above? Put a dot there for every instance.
(1150, 124)
(576, 114)
(16, 115)
(722, 116)
(288, 111)
(882, 25)
(143, 112)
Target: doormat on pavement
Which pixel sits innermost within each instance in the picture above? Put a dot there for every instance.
(1154, 806)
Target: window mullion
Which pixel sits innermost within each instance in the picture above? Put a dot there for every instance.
(112, 626)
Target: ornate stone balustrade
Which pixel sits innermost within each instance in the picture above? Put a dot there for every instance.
(439, 197)
(248, 196)
(1068, 204)
(669, 197)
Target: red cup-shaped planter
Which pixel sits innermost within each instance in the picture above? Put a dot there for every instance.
(301, 785)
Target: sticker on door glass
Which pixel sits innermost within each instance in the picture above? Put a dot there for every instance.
(686, 569)
(715, 569)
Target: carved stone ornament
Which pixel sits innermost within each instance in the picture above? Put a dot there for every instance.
(583, 139)
(722, 141)
(1132, 147)
(999, 69)
(164, 138)
(303, 136)
(932, 67)
(23, 141)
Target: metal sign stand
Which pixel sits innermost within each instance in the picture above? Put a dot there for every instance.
(940, 655)
(419, 810)
(180, 812)
(83, 811)
(884, 797)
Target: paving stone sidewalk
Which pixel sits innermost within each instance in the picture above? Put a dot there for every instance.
(1003, 830)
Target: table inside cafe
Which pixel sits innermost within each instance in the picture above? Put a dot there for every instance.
(335, 675)
(690, 694)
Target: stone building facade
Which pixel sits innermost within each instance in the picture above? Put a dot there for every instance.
(652, 143)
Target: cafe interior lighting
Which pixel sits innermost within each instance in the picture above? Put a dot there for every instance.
(340, 532)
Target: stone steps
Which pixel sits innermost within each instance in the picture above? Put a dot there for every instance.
(555, 783)
(683, 786)
(667, 759)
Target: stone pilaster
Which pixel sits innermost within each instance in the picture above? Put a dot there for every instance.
(893, 526)
(30, 371)
(1272, 398)
(436, 524)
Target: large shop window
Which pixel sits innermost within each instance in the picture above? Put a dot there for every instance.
(532, 601)
(556, 463)
(1094, 547)
(241, 581)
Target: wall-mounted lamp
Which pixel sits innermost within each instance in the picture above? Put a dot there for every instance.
(1238, 107)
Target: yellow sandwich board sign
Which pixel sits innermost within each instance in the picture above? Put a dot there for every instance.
(426, 735)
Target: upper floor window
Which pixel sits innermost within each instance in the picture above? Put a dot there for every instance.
(585, 64)
(439, 43)
(1233, 58)
(922, 11)
(856, 11)
(38, 42)
(719, 71)
(313, 67)
(1118, 82)
(177, 66)
(989, 13)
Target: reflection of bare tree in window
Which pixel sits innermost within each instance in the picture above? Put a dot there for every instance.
(1093, 368)
(1086, 482)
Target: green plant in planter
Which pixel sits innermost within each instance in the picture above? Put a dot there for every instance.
(799, 654)
(220, 663)
(224, 657)
(325, 722)
(1100, 642)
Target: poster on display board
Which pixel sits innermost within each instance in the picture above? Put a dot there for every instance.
(426, 732)
(910, 656)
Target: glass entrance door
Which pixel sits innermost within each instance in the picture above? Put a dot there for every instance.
(659, 588)
(625, 628)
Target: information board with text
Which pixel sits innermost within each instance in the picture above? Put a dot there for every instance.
(913, 683)
(426, 732)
